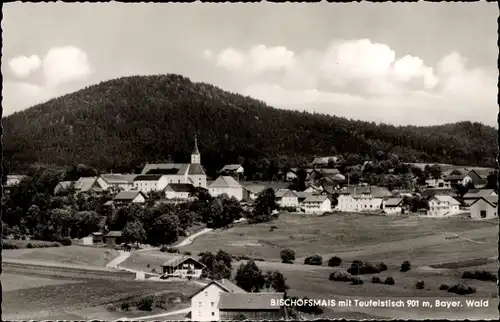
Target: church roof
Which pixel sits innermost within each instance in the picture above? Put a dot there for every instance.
(195, 149)
(225, 182)
(195, 169)
(165, 168)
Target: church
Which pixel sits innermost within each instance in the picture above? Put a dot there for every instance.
(190, 173)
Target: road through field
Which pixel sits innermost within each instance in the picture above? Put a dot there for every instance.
(156, 316)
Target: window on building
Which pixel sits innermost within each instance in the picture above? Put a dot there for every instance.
(213, 304)
(483, 213)
(213, 313)
(206, 293)
(199, 304)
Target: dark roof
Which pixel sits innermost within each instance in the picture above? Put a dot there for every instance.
(163, 171)
(181, 187)
(376, 192)
(176, 261)
(393, 202)
(114, 233)
(478, 193)
(127, 195)
(492, 200)
(181, 167)
(148, 177)
(249, 301)
(231, 167)
(224, 284)
(195, 169)
(114, 178)
(455, 177)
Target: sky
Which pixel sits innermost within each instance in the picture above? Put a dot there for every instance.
(398, 63)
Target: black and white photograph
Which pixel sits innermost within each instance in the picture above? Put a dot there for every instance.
(249, 161)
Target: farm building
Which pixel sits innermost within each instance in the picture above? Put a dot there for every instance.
(124, 182)
(223, 300)
(473, 195)
(252, 191)
(180, 191)
(365, 198)
(324, 161)
(471, 175)
(128, 197)
(226, 185)
(187, 267)
(97, 237)
(113, 238)
(63, 186)
(393, 205)
(317, 204)
(443, 205)
(253, 306)
(234, 170)
(88, 184)
(287, 198)
(484, 208)
(150, 182)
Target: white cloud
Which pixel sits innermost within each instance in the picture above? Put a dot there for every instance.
(207, 53)
(257, 60)
(410, 67)
(62, 66)
(65, 64)
(23, 66)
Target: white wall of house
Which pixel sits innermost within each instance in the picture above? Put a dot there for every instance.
(439, 208)
(104, 185)
(145, 186)
(393, 210)
(199, 180)
(204, 305)
(176, 178)
(483, 210)
(230, 191)
(347, 203)
(170, 194)
(139, 199)
(317, 207)
(289, 201)
(369, 204)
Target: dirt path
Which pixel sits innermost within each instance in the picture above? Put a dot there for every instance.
(191, 238)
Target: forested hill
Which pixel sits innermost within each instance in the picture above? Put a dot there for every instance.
(122, 123)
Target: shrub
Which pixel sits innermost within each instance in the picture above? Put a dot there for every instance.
(153, 270)
(357, 281)
(187, 253)
(23, 237)
(287, 255)
(146, 303)
(376, 280)
(444, 287)
(382, 266)
(358, 267)
(334, 261)
(8, 245)
(389, 281)
(406, 266)
(66, 241)
(111, 307)
(480, 275)
(258, 259)
(340, 277)
(419, 285)
(30, 245)
(125, 306)
(314, 260)
(309, 309)
(461, 289)
(147, 265)
(200, 254)
(173, 250)
(163, 249)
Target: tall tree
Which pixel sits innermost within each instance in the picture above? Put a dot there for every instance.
(250, 278)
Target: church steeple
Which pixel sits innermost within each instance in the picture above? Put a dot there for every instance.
(195, 155)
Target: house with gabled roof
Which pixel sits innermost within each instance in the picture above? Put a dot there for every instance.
(485, 207)
(393, 205)
(223, 300)
(226, 185)
(192, 173)
(229, 169)
(179, 191)
(63, 186)
(362, 198)
(128, 197)
(286, 198)
(443, 205)
(124, 182)
(182, 267)
(317, 204)
(150, 182)
(472, 195)
(88, 184)
(324, 161)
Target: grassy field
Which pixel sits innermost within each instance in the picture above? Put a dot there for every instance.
(32, 297)
(147, 261)
(80, 255)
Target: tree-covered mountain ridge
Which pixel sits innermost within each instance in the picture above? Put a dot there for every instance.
(122, 123)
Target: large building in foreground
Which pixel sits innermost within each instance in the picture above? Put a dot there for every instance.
(190, 173)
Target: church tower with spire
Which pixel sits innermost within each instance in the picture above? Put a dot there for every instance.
(195, 155)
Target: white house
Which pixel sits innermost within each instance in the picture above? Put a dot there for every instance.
(365, 198)
(181, 172)
(291, 174)
(181, 191)
(124, 182)
(126, 197)
(89, 184)
(150, 182)
(13, 180)
(393, 205)
(346, 202)
(183, 268)
(484, 208)
(252, 191)
(287, 198)
(443, 205)
(317, 204)
(205, 302)
(226, 185)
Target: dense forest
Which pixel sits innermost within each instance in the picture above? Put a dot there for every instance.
(123, 123)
